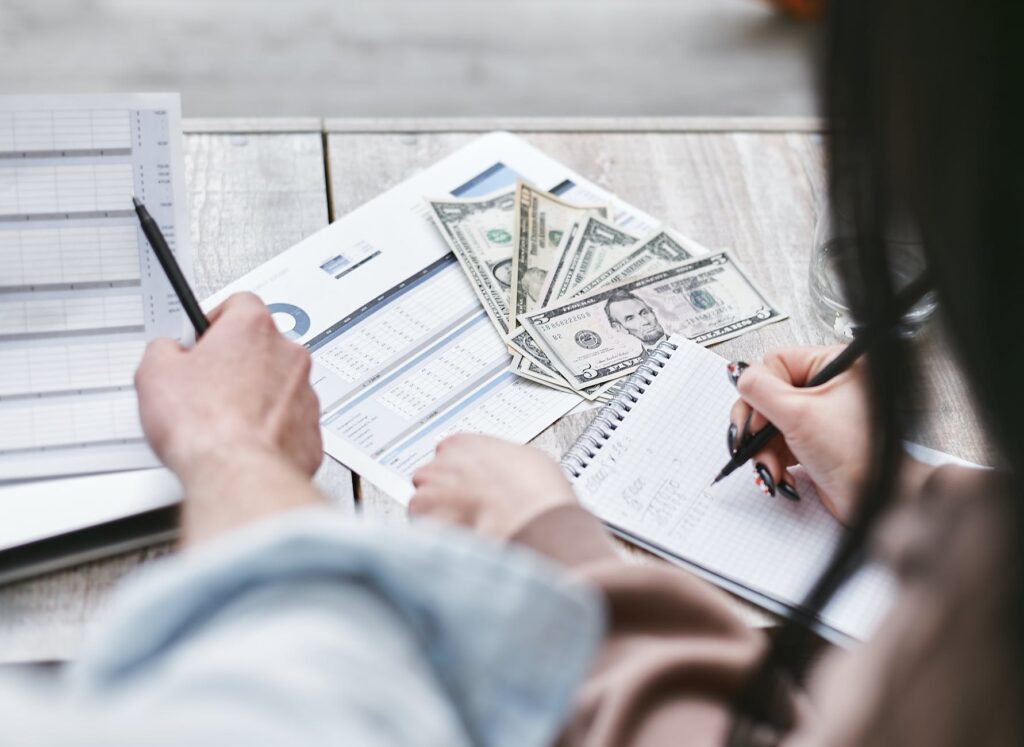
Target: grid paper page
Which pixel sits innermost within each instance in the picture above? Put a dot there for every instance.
(651, 479)
(80, 292)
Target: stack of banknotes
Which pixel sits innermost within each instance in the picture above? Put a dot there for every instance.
(578, 299)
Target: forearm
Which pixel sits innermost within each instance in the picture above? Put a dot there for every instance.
(229, 490)
(301, 630)
(674, 652)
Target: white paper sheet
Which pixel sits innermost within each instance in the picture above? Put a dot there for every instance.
(379, 302)
(403, 352)
(80, 292)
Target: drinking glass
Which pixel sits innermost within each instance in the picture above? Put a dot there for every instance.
(832, 240)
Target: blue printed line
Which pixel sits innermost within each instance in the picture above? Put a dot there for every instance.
(490, 180)
(443, 342)
(391, 294)
(485, 389)
(560, 189)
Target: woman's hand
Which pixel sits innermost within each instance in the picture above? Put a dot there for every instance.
(234, 418)
(490, 485)
(825, 429)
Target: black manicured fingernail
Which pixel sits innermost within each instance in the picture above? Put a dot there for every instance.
(764, 479)
(735, 369)
(745, 434)
(788, 491)
(730, 438)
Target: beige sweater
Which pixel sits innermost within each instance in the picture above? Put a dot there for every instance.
(940, 671)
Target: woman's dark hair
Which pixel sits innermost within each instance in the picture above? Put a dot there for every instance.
(911, 97)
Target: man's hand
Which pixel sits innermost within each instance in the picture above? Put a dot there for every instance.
(235, 418)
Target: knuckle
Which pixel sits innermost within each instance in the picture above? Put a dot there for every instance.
(148, 366)
(249, 311)
(316, 456)
(300, 358)
(421, 476)
(139, 379)
(773, 356)
(450, 442)
(738, 412)
(420, 503)
(247, 300)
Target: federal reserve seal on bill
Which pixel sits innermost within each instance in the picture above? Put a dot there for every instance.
(588, 338)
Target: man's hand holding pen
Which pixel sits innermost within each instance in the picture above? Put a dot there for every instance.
(234, 417)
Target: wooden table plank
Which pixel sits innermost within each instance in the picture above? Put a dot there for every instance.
(751, 185)
(642, 125)
(250, 197)
(251, 125)
(756, 191)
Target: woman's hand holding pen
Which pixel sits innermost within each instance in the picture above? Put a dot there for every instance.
(825, 429)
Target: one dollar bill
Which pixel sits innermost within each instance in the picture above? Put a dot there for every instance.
(593, 245)
(479, 233)
(540, 222)
(663, 250)
(606, 334)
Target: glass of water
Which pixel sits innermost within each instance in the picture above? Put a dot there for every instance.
(833, 239)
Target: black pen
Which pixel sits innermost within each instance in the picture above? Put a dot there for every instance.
(171, 269)
(905, 301)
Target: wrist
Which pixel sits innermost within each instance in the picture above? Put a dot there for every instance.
(505, 518)
(228, 488)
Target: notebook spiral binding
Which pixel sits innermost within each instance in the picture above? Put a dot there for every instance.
(608, 417)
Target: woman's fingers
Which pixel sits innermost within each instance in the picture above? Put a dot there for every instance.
(744, 422)
(739, 421)
(774, 388)
(770, 473)
(769, 465)
(436, 476)
(798, 365)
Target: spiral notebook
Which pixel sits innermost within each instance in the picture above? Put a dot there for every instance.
(644, 467)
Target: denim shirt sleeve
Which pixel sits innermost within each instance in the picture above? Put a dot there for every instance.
(313, 629)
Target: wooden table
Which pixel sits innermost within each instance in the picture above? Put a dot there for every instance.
(258, 186)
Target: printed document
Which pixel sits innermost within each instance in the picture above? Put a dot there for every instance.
(403, 352)
(80, 291)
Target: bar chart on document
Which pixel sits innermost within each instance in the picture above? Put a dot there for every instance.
(80, 294)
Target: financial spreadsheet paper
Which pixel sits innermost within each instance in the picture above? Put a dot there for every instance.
(403, 352)
(80, 291)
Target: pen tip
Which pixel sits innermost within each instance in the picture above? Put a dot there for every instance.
(136, 201)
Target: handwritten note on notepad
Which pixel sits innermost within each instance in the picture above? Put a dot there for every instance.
(649, 480)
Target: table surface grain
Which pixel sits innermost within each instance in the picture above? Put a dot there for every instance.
(256, 187)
